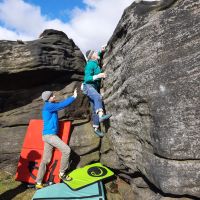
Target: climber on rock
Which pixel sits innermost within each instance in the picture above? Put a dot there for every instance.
(91, 88)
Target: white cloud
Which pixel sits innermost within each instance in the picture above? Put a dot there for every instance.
(6, 34)
(89, 28)
(21, 16)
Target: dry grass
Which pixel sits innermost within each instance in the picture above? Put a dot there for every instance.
(11, 189)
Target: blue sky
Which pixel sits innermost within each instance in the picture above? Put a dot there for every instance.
(58, 8)
(90, 23)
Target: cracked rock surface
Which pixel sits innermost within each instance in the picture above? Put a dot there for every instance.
(152, 90)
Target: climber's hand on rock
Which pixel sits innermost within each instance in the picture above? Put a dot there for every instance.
(102, 75)
(103, 48)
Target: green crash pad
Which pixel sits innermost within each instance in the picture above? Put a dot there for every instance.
(87, 175)
(61, 191)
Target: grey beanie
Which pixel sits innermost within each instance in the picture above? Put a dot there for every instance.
(89, 54)
(46, 95)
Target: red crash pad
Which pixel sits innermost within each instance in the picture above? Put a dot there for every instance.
(32, 150)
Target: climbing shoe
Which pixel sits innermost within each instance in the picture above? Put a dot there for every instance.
(98, 133)
(104, 117)
(65, 177)
(39, 186)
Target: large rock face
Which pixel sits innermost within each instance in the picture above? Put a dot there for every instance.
(52, 62)
(152, 90)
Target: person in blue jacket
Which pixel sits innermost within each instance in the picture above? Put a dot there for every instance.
(50, 138)
(91, 87)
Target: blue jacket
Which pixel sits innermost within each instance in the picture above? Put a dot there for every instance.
(50, 115)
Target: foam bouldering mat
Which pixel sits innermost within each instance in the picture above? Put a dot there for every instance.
(61, 191)
(87, 175)
(32, 151)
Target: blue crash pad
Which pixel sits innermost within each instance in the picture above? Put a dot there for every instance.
(61, 191)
